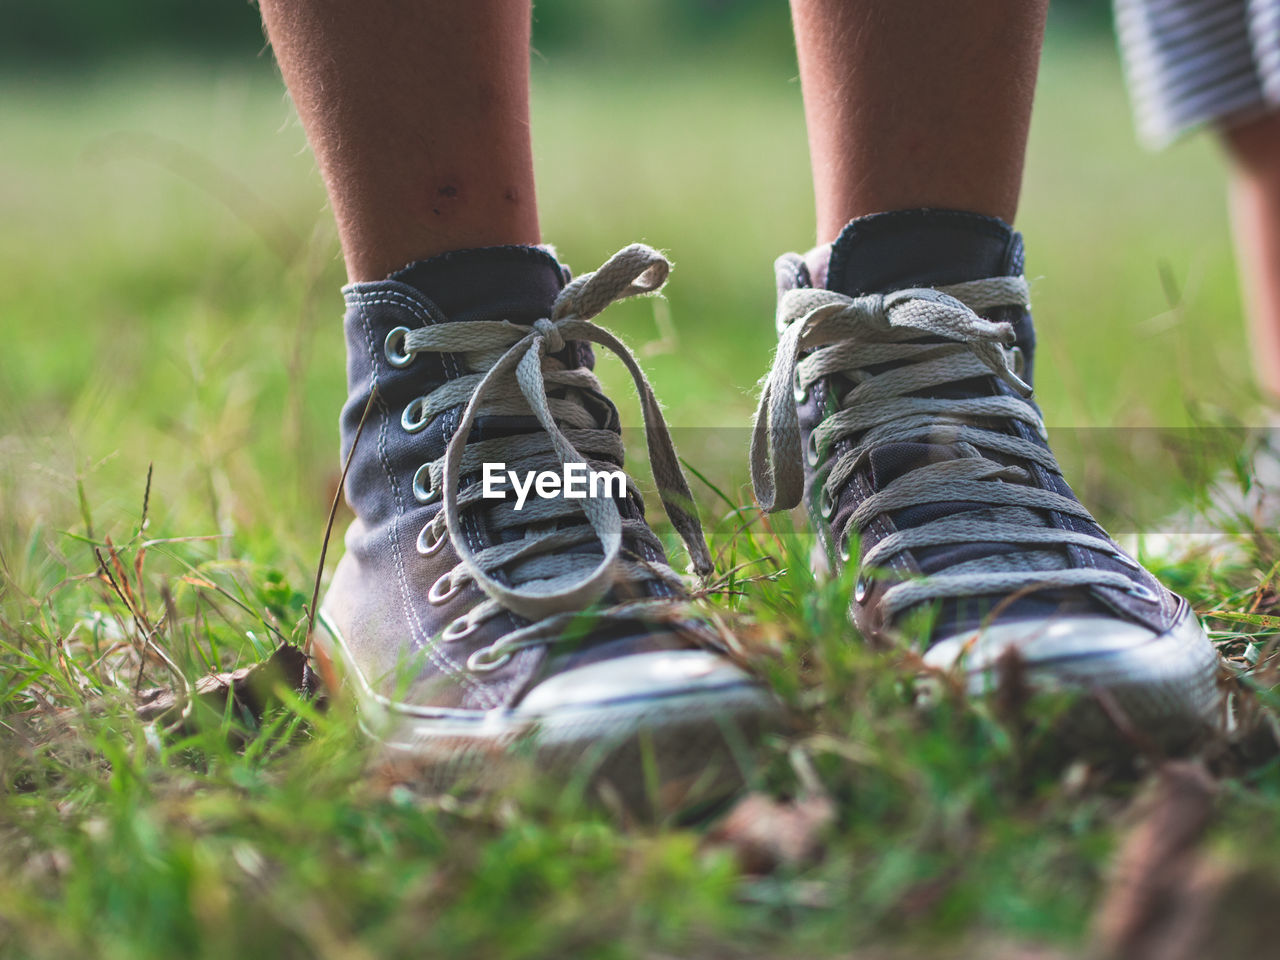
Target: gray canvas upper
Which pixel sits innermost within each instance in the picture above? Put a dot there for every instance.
(496, 574)
(921, 441)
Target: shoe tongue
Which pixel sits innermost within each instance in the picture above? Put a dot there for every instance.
(918, 248)
(489, 283)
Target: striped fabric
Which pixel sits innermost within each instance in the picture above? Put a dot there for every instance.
(1196, 62)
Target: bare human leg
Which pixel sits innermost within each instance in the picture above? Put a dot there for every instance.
(915, 103)
(418, 113)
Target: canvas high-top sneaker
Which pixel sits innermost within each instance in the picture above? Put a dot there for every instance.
(899, 409)
(474, 609)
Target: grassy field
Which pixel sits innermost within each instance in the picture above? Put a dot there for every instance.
(168, 297)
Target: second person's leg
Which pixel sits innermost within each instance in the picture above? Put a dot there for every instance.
(1254, 148)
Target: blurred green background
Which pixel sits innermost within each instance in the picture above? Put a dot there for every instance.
(169, 272)
(73, 31)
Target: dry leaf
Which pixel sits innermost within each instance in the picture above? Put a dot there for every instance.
(1156, 904)
(766, 834)
(253, 688)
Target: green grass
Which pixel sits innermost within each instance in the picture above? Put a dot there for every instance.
(168, 280)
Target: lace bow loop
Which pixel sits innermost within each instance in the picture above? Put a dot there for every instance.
(634, 270)
(777, 474)
(936, 312)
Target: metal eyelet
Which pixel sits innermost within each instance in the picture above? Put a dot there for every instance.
(421, 492)
(842, 545)
(1141, 591)
(826, 503)
(801, 394)
(428, 547)
(477, 664)
(1017, 361)
(811, 450)
(442, 591)
(414, 417)
(393, 348)
(457, 629)
(1125, 560)
(860, 589)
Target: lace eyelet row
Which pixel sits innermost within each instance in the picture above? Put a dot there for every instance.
(1139, 590)
(481, 660)
(414, 416)
(413, 419)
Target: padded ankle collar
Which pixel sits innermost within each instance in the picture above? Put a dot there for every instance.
(517, 283)
(920, 248)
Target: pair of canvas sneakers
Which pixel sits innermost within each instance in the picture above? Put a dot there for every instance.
(898, 409)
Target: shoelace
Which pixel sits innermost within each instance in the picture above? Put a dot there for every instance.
(514, 372)
(823, 333)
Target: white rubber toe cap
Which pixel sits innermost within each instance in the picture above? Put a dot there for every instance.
(1083, 647)
(640, 677)
(1155, 676)
(1065, 638)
